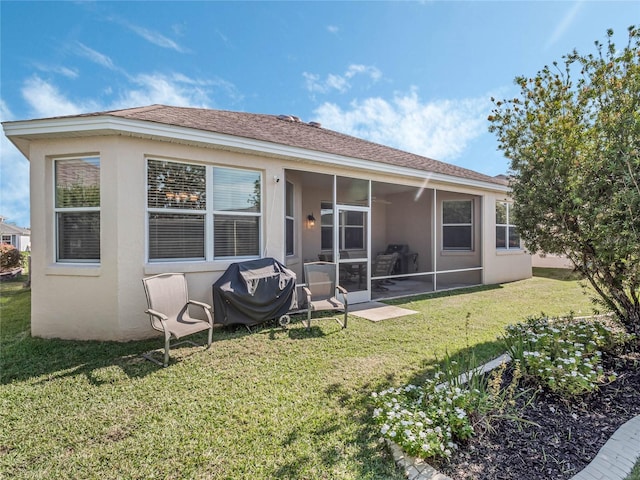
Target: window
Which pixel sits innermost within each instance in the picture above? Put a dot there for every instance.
(457, 225)
(326, 226)
(507, 235)
(236, 212)
(8, 239)
(351, 228)
(176, 199)
(289, 220)
(77, 210)
(185, 219)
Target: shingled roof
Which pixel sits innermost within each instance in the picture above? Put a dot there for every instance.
(291, 131)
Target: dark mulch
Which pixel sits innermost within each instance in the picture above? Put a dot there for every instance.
(568, 435)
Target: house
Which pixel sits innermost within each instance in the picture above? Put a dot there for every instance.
(119, 195)
(16, 236)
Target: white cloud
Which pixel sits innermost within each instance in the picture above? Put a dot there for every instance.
(14, 177)
(59, 69)
(339, 82)
(439, 129)
(46, 100)
(333, 29)
(176, 89)
(155, 38)
(564, 24)
(94, 56)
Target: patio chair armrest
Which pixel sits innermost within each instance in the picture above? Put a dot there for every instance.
(342, 290)
(154, 313)
(307, 292)
(206, 306)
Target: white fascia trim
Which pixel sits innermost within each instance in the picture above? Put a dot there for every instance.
(153, 129)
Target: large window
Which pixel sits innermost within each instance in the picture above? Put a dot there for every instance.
(289, 220)
(457, 225)
(507, 235)
(186, 222)
(177, 199)
(77, 210)
(236, 212)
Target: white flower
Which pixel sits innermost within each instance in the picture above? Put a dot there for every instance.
(385, 428)
(426, 447)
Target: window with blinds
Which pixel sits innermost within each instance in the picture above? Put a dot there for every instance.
(185, 222)
(236, 212)
(77, 209)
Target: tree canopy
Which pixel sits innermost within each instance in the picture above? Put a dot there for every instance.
(573, 140)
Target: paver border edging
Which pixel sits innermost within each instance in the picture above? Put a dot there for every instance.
(614, 461)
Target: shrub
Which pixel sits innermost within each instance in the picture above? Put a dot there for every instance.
(9, 257)
(563, 355)
(426, 421)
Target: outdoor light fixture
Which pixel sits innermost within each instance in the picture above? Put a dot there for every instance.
(311, 220)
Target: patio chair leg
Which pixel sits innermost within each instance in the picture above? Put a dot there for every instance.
(166, 351)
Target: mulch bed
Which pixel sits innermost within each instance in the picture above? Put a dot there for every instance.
(566, 435)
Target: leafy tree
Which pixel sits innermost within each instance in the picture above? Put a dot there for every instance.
(573, 140)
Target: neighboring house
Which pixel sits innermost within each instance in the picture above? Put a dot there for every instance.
(16, 236)
(119, 195)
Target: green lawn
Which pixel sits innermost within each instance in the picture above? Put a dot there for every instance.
(287, 404)
(635, 473)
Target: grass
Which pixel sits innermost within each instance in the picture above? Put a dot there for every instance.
(277, 403)
(635, 473)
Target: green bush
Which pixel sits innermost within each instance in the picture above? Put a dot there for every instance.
(10, 257)
(563, 355)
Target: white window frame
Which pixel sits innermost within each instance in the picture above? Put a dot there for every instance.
(470, 225)
(508, 227)
(57, 210)
(209, 214)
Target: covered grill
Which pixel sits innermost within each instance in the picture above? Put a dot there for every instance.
(253, 292)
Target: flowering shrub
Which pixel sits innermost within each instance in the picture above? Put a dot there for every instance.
(9, 257)
(564, 355)
(426, 421)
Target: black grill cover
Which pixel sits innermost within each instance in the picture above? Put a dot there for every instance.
(252, 292)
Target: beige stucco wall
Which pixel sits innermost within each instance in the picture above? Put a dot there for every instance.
(107, 301)
(501, 265)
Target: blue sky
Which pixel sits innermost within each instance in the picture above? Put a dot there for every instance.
(413, 75)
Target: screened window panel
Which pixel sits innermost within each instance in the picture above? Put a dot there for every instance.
(353, 238)
(289, 236)
(236, 190)
(173, 236)
(456, 211)
(501, 237)
(78, 236)
(326, 236)
(236, 236)
(352, 191)
(77, 182)
(457, 237)
(176, 185)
